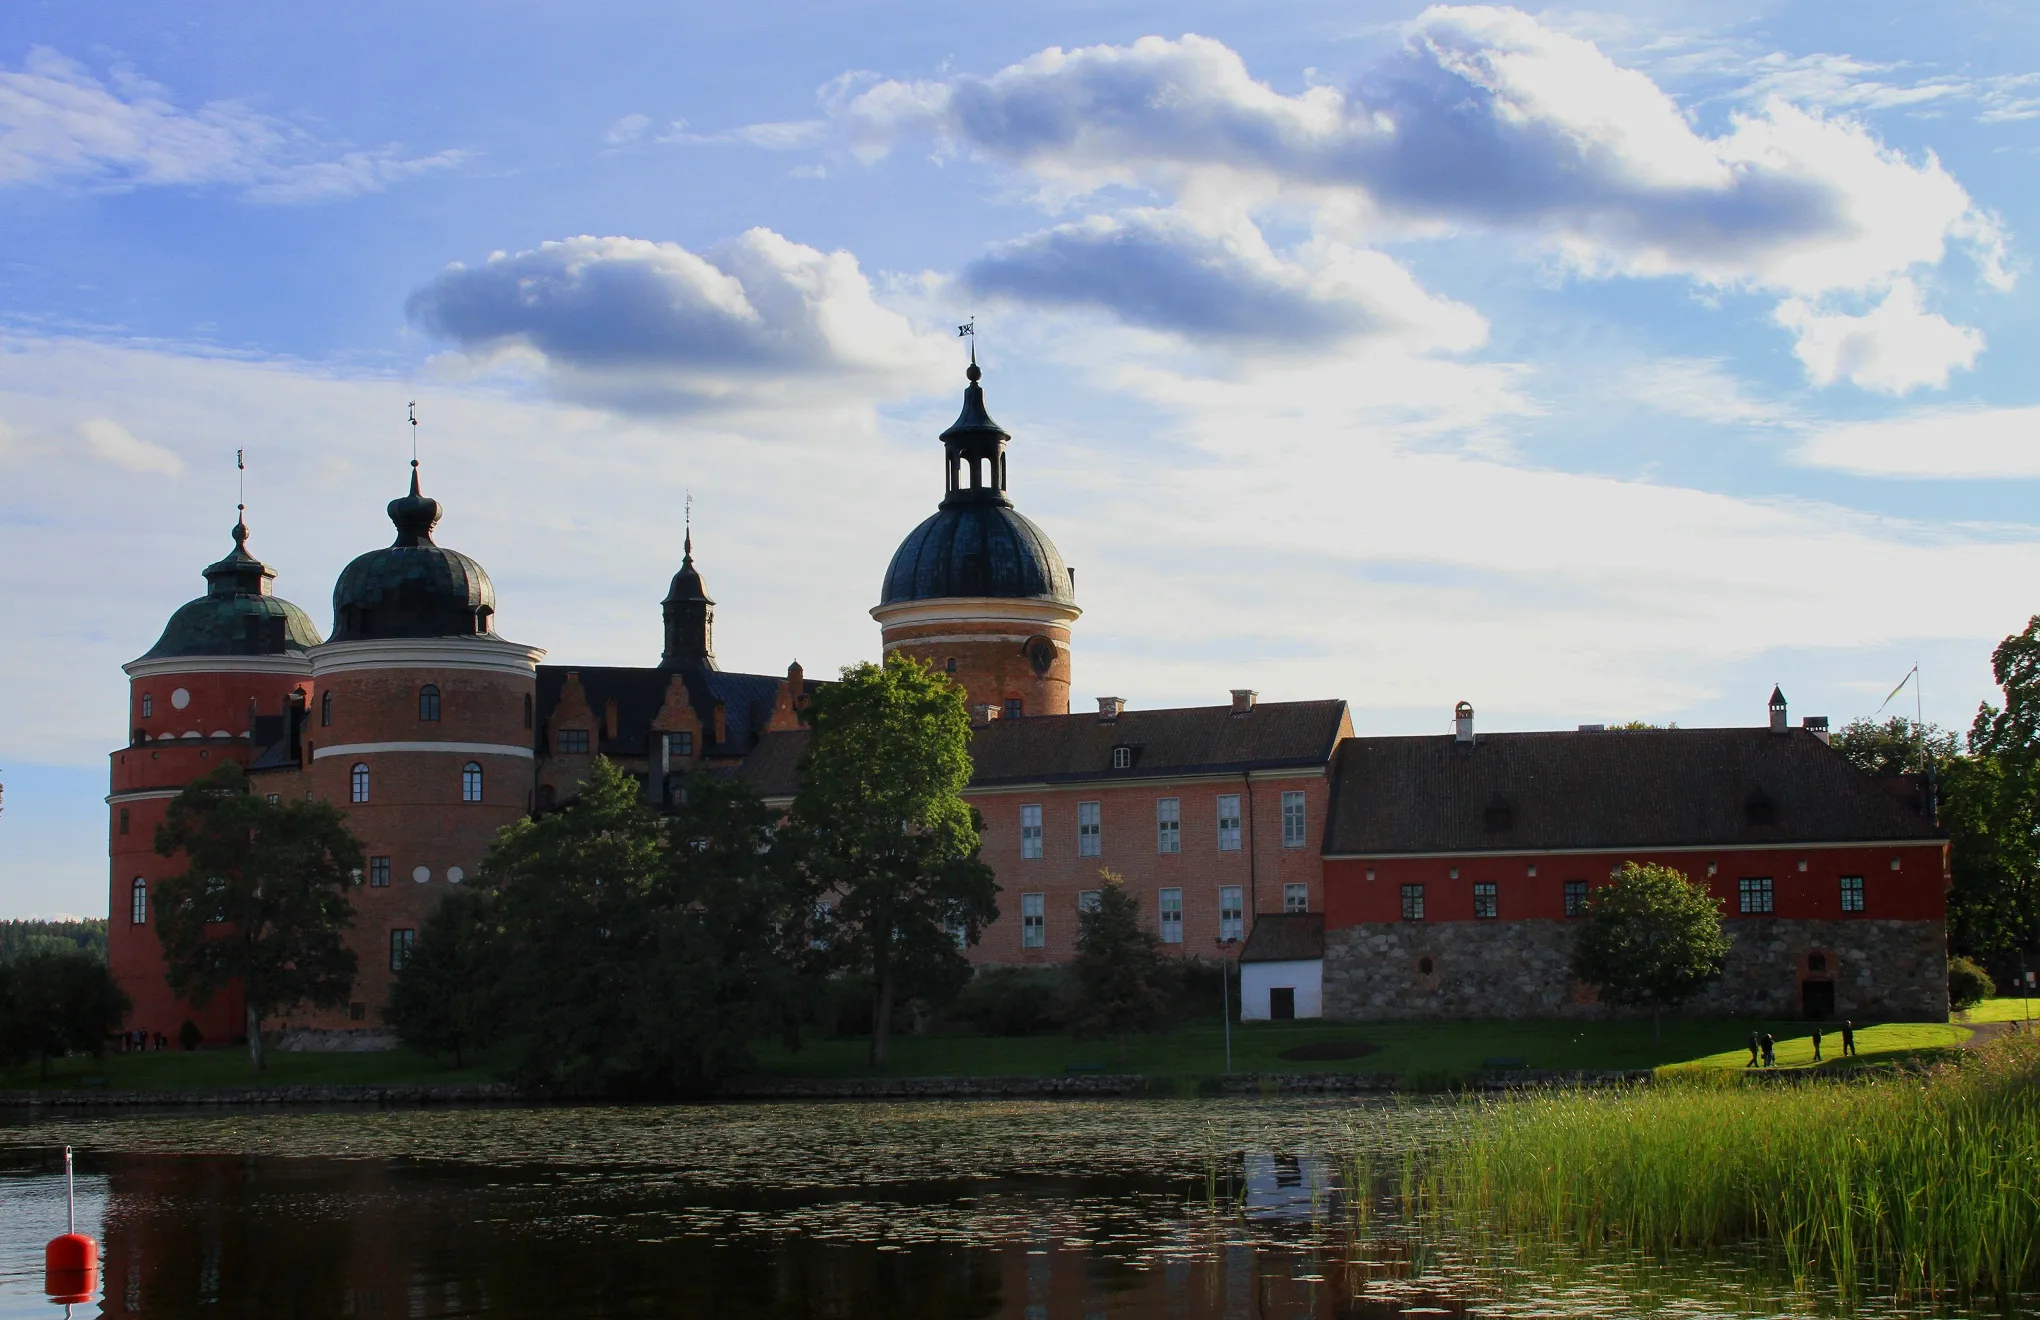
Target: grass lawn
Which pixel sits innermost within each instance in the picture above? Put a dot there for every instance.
(2002, 1010)
(1885, 1043)
(1410, 1049)
(203, 1070)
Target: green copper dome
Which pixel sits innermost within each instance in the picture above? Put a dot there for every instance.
(237, 615)
(411, 587)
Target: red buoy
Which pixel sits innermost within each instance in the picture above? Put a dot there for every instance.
(71, 1260)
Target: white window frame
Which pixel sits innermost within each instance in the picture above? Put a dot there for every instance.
(1030, 832)
(358, 782)
(1122, 758)
(1090, 829)
(138, 902)
(1033, 921)
(1168, 826)
(1296, 897)
(471, 782)
(1228, 822)
(1232, 912)
(1169, 914)
(1295, 819)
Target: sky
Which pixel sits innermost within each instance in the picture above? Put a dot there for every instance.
(1586, 364)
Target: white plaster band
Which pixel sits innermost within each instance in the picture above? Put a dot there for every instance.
(485, 653)
(295, 666)
(452, 748)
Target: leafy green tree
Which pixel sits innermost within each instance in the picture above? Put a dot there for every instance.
(57, 1001)
(1125, 983)
(444, 1000)
(262, 901)
(1968, 984)
(1651, 937)
(884, 833)
(642, 955)
(18, 937)
(1898, 746)
(1991, 810)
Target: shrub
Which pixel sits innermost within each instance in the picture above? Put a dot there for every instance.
(1013, 1001)
(1968, 984)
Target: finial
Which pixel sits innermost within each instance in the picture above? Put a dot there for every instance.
(687, 541)
(241, 508)
(968, 330)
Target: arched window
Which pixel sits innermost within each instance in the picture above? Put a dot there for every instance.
(527, 710)
(949, 665)
(471, 782)
(140, 913)
(325, 708)
(358, 782)
(428, 703)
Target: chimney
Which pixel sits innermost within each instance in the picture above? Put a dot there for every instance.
(1110, 709)
(1243, 701)
(1462, 723)
(1778, 724)
(983, 713)
(1816, 725)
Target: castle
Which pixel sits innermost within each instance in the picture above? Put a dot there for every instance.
(1351, 876)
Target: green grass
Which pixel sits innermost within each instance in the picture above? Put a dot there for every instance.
(1887, 1043)
(220, 1069)
(2002, 1010)
(1889, 1181)
(1407, 1048)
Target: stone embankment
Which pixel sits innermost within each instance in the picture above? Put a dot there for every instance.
(424, 1094)
(934, 1088)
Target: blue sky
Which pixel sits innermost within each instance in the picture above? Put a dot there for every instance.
(1585, 364)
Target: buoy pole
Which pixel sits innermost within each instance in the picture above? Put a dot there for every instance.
(70, 1195)
(71, 1262)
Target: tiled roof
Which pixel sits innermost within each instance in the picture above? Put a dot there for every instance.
(1285, 937)
(639, 693)
(1077, 748)
(1511, 792)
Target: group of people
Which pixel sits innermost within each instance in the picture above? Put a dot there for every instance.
(1764, 1046)
(138, 1040)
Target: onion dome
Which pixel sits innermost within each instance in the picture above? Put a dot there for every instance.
(977, 544)
(237, 615)
(411, 587)
(690, 616)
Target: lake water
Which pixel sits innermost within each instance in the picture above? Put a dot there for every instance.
(1023, 1209)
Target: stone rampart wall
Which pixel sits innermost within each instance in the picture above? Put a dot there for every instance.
(1891, 970)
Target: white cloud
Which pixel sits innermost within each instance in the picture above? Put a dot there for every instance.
(653, 326)
(1953, 443)
(59, 124)
(112, 443)
(1894, 348)
(628, 128)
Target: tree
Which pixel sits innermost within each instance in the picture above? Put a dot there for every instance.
(1652, 937)
(57, 1001)
(1125, 982)
(1968, 984)
(638, 955)
(262, 901)
(1991, 810)
(443, 999)
(885, 835)
(1896, 747)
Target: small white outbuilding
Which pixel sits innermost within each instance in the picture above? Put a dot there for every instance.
(1282, 967)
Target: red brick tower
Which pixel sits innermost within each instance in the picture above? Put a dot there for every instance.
(421, 730)
(978, 590)
(214, 688)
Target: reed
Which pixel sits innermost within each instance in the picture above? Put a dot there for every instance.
(1919, 1182)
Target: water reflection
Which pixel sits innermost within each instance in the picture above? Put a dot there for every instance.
(1021, 1210)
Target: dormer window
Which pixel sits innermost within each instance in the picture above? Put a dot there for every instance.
(1760, 809)
(1499, 815)
(1122, 758)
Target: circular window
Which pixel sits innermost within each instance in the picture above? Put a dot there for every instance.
(454, 875)
(421, 873)
(181, 698)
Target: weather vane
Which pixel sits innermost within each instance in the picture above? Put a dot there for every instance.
(412, 406)
(968, 330)
(241, 466)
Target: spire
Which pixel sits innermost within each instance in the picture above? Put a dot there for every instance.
(689, 611)
(240, 573)
(974, 447)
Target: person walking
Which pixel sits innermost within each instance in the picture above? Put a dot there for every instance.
(1770, 1050)
(1848, 1037)
(1816, 1044)
(1755, 1049)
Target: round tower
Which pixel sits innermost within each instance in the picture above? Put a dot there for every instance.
(978, 591)
(420, 729)
(216, 687)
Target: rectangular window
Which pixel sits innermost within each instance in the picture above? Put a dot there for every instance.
(679, 744)
(1014, 708)
(124, 820)
(400, 948)
(1122, 758)
(1033, 921)
(1483, 900)
(1296, 898)
(574, 741)
(1412, 902)
(379, 872)
(140, 913)
(148, 705)
(1232, 915)
(1755, 894)
(1576, 898)
(1228, 822)
(1087, 900)
(275, 799)
(1852, 893)
(1030, 831)
(1089, 834)
(1171, 909)
(1292, 820)
(1168, 825)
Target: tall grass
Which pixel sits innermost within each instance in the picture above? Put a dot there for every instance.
(1920, 1182)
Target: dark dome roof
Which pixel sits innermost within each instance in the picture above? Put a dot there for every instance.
(237, 615)
(412, 588)
(977, 549)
